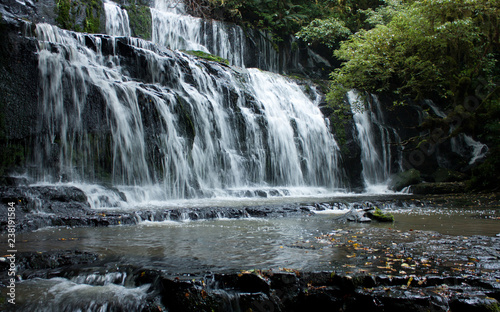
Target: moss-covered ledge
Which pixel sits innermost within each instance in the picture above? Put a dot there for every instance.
(140, 20)
(207, 56)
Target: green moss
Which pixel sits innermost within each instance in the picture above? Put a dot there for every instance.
(140, 20)
(67, 12)
(207, 56)
(382, 217)
(339, 119)
(63, 18)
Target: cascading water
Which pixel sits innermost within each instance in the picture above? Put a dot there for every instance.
(174, 29)
(117, 21)
(163, 125)
(374, 139)
(61, 294)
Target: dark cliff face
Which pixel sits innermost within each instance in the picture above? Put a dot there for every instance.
(24, 130)
(18, 94)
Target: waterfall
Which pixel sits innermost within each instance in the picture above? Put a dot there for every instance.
(117, 22)
(374, 139)
(175, 29)
(162, 124)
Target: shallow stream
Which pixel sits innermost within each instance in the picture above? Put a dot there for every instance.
(249, 243)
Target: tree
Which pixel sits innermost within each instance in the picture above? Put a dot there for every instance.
(428, 49)
(325, 31)
(443, 50)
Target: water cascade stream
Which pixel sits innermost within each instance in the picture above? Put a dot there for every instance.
(159, 124)
(374, 139)
(197, 172)
(117, 21)
(175, 29)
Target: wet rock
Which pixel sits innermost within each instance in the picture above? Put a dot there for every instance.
(246, 282)
(396, 299)
(261, 193)
(353, 216)
(401, 180)
(477, 304)
(438, 188)
(40, 264)
(13, 181)
(378, 215)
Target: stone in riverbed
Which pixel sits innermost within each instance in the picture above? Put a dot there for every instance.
(353, 216)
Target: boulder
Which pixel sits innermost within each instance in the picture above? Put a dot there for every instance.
(353, 216)
(403, 179)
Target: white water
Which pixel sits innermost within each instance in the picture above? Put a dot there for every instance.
(174, 29)
(61, 294)
(374, 139)
(177, 133)
(117, 22)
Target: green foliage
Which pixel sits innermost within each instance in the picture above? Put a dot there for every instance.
(92, 20)
(63, 18)
(325, 31)
(382, 15)
(280, 17)
(427, 49)
(446, 51)
(207, 56)
(140, 20)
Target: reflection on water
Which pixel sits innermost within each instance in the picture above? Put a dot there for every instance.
(236, 244)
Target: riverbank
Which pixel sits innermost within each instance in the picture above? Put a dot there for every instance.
(287, 256)
(61, 279)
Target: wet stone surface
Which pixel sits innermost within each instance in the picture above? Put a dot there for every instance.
(402, 253)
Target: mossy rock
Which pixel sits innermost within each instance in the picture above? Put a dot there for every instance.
(207, 56)
(403, 179)
(140, 20)
(80, 15)
(378, 215)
